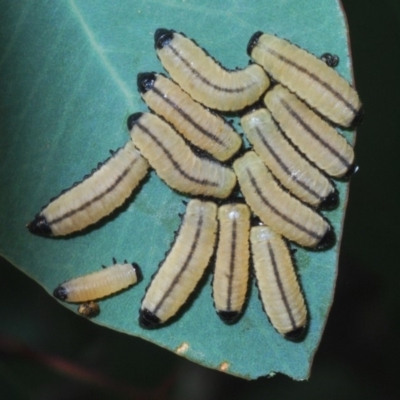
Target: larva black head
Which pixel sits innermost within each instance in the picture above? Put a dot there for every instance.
(162, 37)
(351, 171)
(328, 240)
(39, 226)
(253, 42)
(296, 335)
(229, 317)
(133, 119)
(145, 81)
(331, 60)
(139, 275)
(60, 293)
(359, 117)
(147, 319)
(331, 201)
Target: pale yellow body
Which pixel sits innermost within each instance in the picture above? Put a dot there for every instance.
(186, 262)
(232, 262)
(176, 163)
(276, 207)
(204, 129)
(277, 281)
(99, 194)
(100, 283)
(293, 170)
(309, 77)
(318, 140)
(206, 81)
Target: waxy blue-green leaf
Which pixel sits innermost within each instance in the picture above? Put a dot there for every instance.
(68, 83)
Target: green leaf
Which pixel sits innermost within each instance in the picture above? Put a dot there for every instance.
(68, 83)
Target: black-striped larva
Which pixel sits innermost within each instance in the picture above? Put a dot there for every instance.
(277, 208)
(232, 261)
(309, 77)
(175, 162)
(203, 78)
(318, 140)
(203, 128)
(277, 283)
(99, 284)
(90, 309)
(86, 202)
(184, 265)
(293, 171)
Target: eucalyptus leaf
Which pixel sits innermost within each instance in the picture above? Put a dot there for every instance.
(68, 83)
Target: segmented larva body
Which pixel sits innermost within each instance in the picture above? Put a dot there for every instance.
(277, 283)
(231, 272)
(100, 193)
(203, 128)
(175, 162)
(99, 284)
(277, 208)
(204, 79)
(180, 272)
(318, 140)
(294, 171)
(89, 309)
(309, 77)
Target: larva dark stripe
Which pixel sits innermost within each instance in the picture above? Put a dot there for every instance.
(280, 286)
(285, 167)
(275, 210)
(314, 134)
(232, 264)
(173, 161)
(187, 117)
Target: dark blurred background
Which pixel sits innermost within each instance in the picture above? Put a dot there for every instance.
(359, 353)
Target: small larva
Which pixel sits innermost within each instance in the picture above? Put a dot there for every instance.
(99, 284)
(203, 128)
(310, 78)
(203, 78)
(232, 261)
(318, 140)
(175, 162)
(89, 309)
(294, 172)
(277, 283)
(277, 208)
(184, 265)
(86, 202)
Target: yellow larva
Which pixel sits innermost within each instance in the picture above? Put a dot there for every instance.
(277, 283)
(184, 265)
(203, 78)
(89, 309)
(232, 261)
(286, 163)
(309, 77)
(99, 284)
(85, 203)
(175, 162)
(277, 208)
(314, 137)
(204, 129)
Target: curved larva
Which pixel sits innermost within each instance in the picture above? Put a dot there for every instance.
(175, 162)
(184, 265)
(89, 309)
(204, 79)
(294, 171)
(86, 202)
(231, 272)
(99, 284)
(314, 137)
(277, 208)
(309, 77)
(277, 283)
(203, 128)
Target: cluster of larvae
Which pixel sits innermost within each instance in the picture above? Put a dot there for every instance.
(284, 179)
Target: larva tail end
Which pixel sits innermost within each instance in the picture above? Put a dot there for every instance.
(253, 42)
(297, 335)
(133, 119)
(229, 317)
(60, 293)
(331, 201)
(358, 119)
(162, 37)
(39, 226)
(145, 81)
(138, 270)
(147, 319)
(327, 241)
